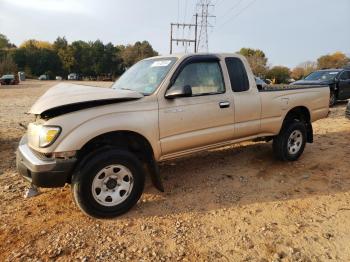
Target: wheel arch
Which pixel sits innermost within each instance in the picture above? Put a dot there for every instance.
(300, 113)
(125, 140)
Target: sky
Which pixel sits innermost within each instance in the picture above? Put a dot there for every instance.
(289, 32)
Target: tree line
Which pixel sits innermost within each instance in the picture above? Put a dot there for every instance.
(282, 74)
(89, 59)
(94, 58)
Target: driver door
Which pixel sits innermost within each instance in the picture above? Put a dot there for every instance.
(344, 85)
(206, 117)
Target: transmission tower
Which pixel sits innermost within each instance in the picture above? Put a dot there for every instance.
(204, 7)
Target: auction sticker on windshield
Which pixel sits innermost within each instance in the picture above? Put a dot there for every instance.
(161, 63)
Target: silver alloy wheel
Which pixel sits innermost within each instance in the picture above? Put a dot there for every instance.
(295, 142)
(112, 185)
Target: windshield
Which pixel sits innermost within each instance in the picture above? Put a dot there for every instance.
(322, 75)
(145, 76)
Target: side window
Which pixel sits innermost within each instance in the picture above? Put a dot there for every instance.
(345, 75)
(238, 75)
(203, 77)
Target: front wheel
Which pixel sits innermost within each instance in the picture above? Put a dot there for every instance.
(289, 144)
(109, 184)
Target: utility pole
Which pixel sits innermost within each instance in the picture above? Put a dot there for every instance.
(204, 6)
(184, 40)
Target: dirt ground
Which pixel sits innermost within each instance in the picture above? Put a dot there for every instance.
(232, 204)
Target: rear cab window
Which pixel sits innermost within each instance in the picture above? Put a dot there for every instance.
(237, 73)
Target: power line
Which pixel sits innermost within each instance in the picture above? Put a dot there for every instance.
(193, 18)
(237, 14)
(185, 13)
(219, 2)
(184, 19)
(232, 8)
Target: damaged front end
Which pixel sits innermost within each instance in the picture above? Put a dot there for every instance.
(66, 98)
(37, 160)
(65, 109)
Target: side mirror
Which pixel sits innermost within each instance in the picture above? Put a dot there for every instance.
(179, 91)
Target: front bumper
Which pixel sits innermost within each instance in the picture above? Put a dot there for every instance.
(41, 171)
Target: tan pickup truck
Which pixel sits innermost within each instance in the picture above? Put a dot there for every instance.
(104, 141)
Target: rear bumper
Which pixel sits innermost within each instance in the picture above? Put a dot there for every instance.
(42, 172)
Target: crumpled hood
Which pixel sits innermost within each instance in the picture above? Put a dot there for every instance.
(71, 97)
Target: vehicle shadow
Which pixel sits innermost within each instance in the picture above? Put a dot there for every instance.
(247, 173)
(340, 103)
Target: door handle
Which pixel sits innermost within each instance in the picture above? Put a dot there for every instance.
(224, 104)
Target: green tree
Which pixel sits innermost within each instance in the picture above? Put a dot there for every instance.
(256, 59)
(60, 43)
(7, 65)
(134, 53)
(93, 58)
(5, 47)
(5, 42)
(66, 56)
(82, 61)
(280, 74)
(37, 57)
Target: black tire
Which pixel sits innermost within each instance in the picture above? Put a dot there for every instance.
(281, 141)
(82, 183)
(332, 98)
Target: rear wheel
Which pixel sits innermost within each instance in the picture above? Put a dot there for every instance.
(109, 184)
(289, 144)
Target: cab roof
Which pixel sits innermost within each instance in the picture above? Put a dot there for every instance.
(184, 55)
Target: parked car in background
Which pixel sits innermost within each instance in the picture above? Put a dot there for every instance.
(260, 84)
(107, 77)
(43, 77)
(104, 141)
(338, 81)
(59, 78)
(9, 80)
(73, 76)
(347, 111)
